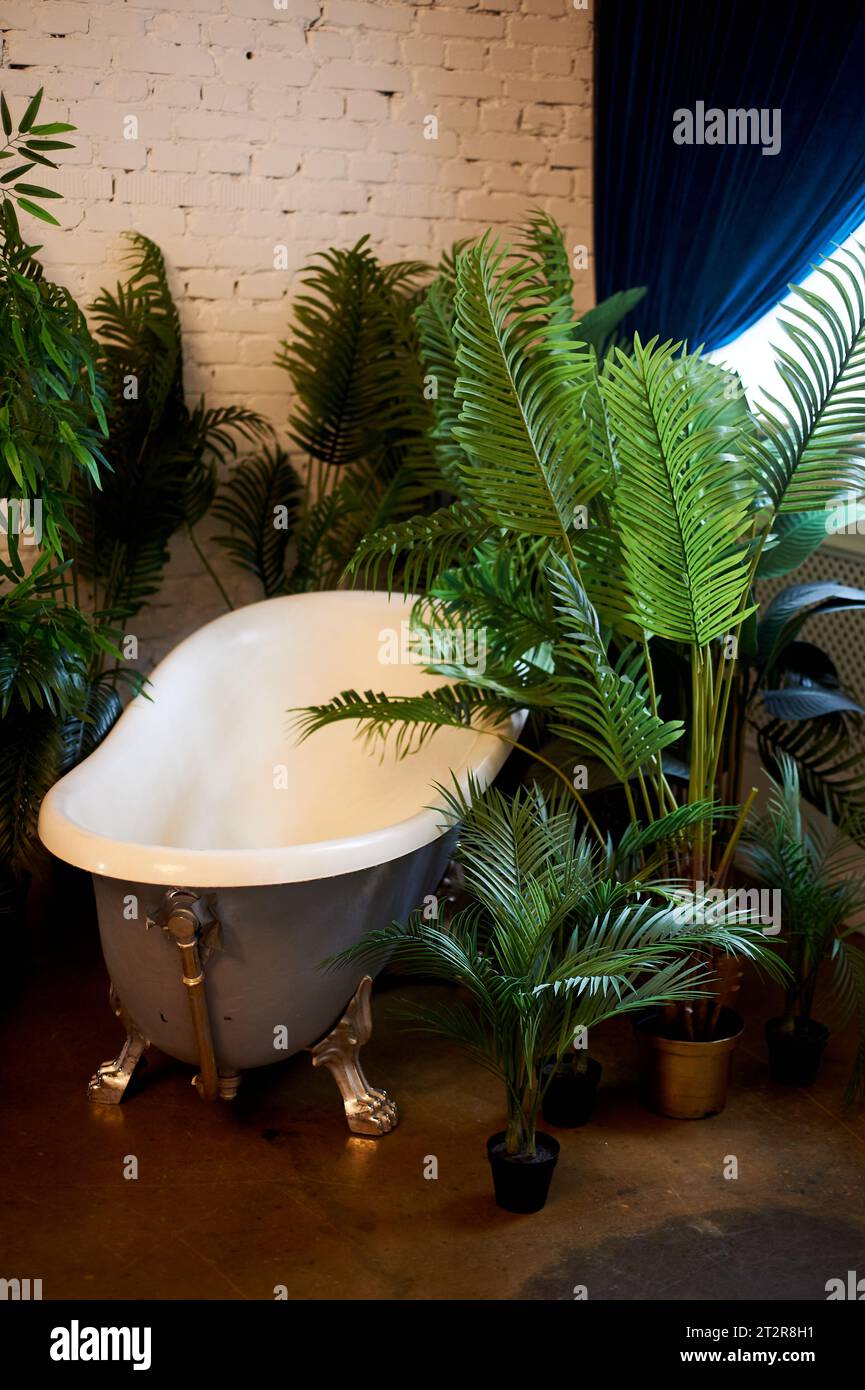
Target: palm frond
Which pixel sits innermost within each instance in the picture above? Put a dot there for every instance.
(435, 325)
(420, 548)
(678, 516)
(521, 423)
(415, 717)
(606, 704)
(164, 458)
(31, 749)
(848, 962)
(260, 503)
(99, 711)
(499, 594)
(812, 447)
(828, 757)
(544, 241)
(346, 364)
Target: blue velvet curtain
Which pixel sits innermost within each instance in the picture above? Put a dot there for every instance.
(718, 231)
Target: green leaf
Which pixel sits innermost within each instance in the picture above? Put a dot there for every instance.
(435, 322)
(543, 239)
(16, 173)
(679, 508)
(10, 453)
(39, 158)
(52, 128)
(30, 114)
(812, 450)
(44, 145)
(36, 191)
(18, 339)
(527, 464)
(5, 116)
(790, 609)
(795, 536)
(248, 503)
(807, 702)
(607, 704)
(422, 547)
(36, 211)
(597, 327)
(356, 386)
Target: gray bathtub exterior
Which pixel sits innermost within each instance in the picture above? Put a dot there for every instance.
(265, 975)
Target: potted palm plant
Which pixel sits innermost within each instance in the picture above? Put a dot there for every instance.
(549, 942)
(823, 895)
(612, 515)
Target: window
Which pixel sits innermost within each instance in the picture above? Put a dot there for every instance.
(752, 355)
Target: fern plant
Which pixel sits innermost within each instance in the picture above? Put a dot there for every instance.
(555, 937)
(823, 896)
(164, 458)
(361, 422)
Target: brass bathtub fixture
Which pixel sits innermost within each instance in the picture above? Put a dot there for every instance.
(184, 928)
(367, 1109)
(191, 923)
(177, 919)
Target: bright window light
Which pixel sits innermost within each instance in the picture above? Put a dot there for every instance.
(752, 355)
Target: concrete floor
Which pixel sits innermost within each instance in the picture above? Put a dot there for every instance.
(235, 1199)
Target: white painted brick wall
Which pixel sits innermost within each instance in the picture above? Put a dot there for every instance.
(298, 122)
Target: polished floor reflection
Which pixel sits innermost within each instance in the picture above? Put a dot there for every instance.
(271, 1193)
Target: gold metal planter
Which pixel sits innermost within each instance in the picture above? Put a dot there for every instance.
(689, 1080)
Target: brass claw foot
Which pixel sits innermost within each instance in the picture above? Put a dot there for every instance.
(367, 1109)
(108, 1084)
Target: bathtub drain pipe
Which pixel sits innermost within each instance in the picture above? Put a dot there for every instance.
(184, 928)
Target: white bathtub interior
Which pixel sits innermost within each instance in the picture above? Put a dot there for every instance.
(209, 762)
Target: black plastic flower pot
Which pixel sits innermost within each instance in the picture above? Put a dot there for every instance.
(569, 1098)
(794, 1058)
(522, 1182)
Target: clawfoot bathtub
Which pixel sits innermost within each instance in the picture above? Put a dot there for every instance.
(229, 861)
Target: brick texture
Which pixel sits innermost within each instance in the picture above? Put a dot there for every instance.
(300, 123)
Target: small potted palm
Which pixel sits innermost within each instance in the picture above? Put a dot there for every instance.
(823, 902)
(538, 955)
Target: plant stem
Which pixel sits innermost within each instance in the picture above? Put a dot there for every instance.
(207, 565)
(632, 810)
(539, 758)
(698, 732)
(657, 762)
(727, 857)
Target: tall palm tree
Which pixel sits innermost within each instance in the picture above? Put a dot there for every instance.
(615, 513)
